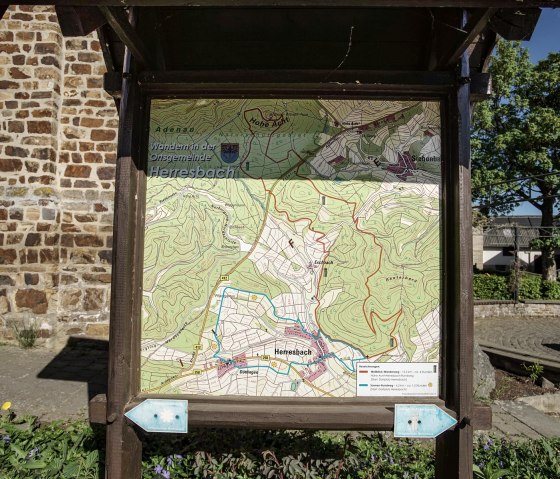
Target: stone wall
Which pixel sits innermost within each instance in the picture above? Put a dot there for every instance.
(58, 132)
(478, 248)
(503, 309)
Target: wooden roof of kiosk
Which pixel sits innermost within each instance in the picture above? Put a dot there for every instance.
(417, 48)
(384, 36)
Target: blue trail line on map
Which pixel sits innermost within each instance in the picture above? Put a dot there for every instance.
(315, 337)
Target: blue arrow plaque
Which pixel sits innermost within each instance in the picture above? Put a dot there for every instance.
(161, 415)
(421, 420)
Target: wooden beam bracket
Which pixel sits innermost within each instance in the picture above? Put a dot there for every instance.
(118, 20)
(475, 25)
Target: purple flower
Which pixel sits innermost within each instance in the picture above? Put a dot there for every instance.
(166, 474)
(169, 460)
(6, 438)
(158, 469)
(178, 456)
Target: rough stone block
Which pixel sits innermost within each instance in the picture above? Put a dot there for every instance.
(18, 60)
(93, 157)
(50, 60)
(31, 279)
(14, 238)
(52, 240)
(45, 191)
(9, 48)
(41, 127)
(97, 278)
(81, 69)
(94, 299)
(77, 171)
(46, 48)
(96, 103)
(5, 308)
(48, 256)
(14, 126)
(48, 214)
(100, 330)
(32, 166)
(105, 256)
(6, 280)
(99, 208)
(66, 279)
(85, 184)
(16, 151)
(8, 256)
(33, 239)
(32, 299)
(76, 44)
(10, 164)
(82, 257)
(6, 36)
(16, 214)
(103, 135)
(106, 173)
(90, 218)
(70, 297)
(26, 17)
(18, 73)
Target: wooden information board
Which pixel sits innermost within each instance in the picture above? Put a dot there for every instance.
(296, 258)
(293, 226)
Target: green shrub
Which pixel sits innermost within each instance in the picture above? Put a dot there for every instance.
(498, 287)
(491, 286)
(537, 459)
(29, 450)
(551, 290)
(530, 287)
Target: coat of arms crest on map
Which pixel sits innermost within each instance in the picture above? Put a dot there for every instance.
(230, 152)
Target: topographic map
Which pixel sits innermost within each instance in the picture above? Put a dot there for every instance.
(289, 244)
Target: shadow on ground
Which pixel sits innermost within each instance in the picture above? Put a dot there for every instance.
(83, 360)
(555, 347)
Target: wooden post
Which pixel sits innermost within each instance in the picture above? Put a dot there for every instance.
(454, 448)
(124, 448)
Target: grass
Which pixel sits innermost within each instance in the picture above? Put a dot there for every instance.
(27, 336)
(30, 450)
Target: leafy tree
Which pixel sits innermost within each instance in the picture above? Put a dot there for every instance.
(516, 141)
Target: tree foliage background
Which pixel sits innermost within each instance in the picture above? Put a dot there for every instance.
(515, 142)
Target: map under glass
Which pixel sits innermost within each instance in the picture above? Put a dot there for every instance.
(290, 245)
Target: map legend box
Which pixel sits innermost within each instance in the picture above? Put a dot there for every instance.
(397, 379)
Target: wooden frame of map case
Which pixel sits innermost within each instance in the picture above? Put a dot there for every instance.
(343, 413)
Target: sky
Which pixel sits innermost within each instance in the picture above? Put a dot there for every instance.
(545, 39)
